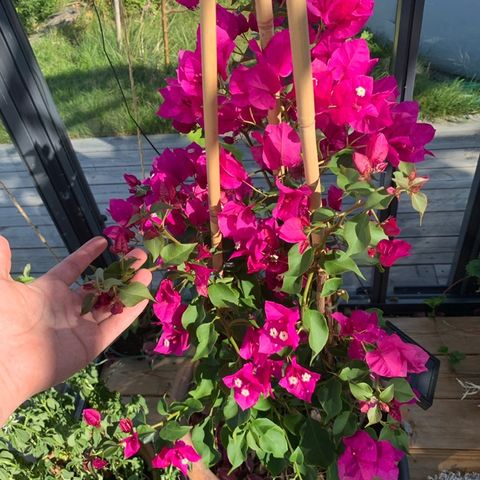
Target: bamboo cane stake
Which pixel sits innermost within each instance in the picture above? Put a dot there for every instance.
(264, 13)
(302, 74)
(208, 28)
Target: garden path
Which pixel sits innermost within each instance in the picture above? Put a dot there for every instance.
(456, 149)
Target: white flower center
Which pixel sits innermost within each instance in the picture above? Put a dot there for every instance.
(306, 377)
(245, 392)
(292, 380)
(166, 342)
(237, 246)
(185, 461)
(283, 336)
(273, 333)
(361, 92)
(238, 383)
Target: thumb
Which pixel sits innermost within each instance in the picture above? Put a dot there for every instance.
(114, 326)
(5, 257)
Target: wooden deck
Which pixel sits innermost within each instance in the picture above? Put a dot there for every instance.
(456, 147)
(445, 437)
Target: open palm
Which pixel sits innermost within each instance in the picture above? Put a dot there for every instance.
(44, 338)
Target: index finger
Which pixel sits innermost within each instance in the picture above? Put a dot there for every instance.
(70, 269)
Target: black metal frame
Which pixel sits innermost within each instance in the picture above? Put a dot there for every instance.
(32, 120)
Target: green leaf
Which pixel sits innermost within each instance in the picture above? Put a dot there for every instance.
(317, 327)
(162, 407)
(206, 336)
(154, 246)
(361, 391)
(230, 409)
(197, 137)
(403, 390)
(316, 444)
(379, 200)
(173, 431)
(237, 449)
(322, 214)
(331, 286)
(329, 395)
(349, 374)
(223, 295)
(473, 268)
(396, 436)
(419, 203)
(341, 264)
(345, 424)
(357, 234)
(387, 394)
(134, 293)
(176, 253)
(299, 263)
(292, 285)
(194, 313)
(271, 437)
(374, 415)
(297, 456)
(88, 303)
(204, 442)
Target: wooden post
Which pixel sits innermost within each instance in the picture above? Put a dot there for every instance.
(264, 13)
(208, 28)
(302, 73)
(118, 21)
(166, 43)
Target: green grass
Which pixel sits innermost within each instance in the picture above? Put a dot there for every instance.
(441, 96)
(90, 103)
(83, 85)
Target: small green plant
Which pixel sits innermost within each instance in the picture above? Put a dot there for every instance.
(47, 439)
(454, 357)
(32, 12)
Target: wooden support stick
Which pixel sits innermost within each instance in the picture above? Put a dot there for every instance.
(264, 13)
(302, 74)
(208, 27)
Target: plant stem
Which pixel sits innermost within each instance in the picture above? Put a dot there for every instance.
(308, 288)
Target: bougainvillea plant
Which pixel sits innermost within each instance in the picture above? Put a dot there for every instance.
(284, 384)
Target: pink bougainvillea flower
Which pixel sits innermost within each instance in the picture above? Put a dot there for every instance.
(231, 22)
(131, 445)
(361, 325)
(278, 53)
(250, 344)
(373, 161)
(292, 202)
(351, 60)
(279, 330)
(237, 221)
(121, 211)
(335, 197)
(299, 381)
(247, 388)
(391, 250)
(293, 231)
(232, 173)
(179, 456)
(256, 86)
(395, 358)
(173, 166)
(125, 425)
(120, 237)
(202, 276)
(189, 72)
(173, 341)
(367, 459)
(344, 18)
(281, 147)
(99, 463)
(191, 4)
(167, 302)
(407, 138)
(92, 417)
(390, 227)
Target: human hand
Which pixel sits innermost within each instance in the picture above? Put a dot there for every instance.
(45, 339)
